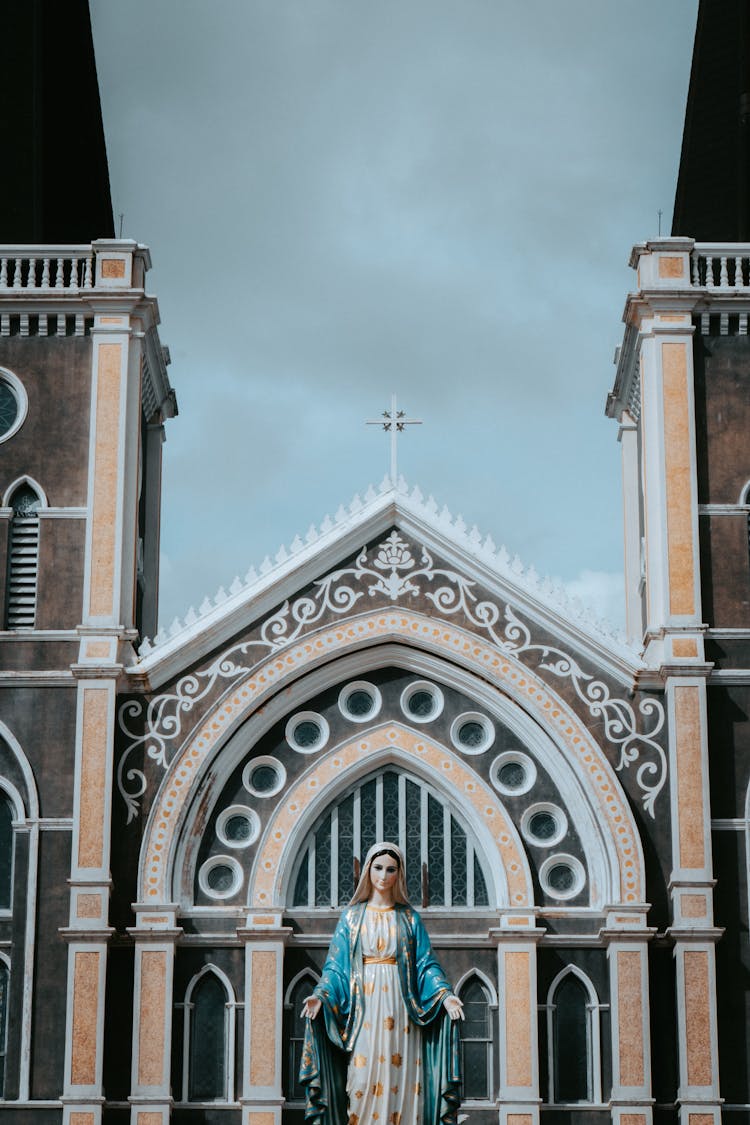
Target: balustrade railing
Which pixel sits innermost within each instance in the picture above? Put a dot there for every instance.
(720, 266)
(46, 268)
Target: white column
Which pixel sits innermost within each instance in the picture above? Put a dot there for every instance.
(518, 1034)
(262, 1063)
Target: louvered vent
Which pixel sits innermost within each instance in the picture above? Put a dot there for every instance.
(23, 560)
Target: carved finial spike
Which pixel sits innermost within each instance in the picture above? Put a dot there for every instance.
(475, 536)
(489, 545)
(281, 555)
(532, 576)
(356, 504)
(205, 607)
(503, 557)
(402, 486)
(191, 616)
(160, 638)
(340, 514)
(145, 647)
(251, 576)
(266, 565)
(516, 565)
(431, 505)
(175, 627)
(386, 484)
(236, 586)
(296, 545)
(416, 494)
(327, 524)
(312, 534)
(459, 526)
(221, 596)
(370, 495)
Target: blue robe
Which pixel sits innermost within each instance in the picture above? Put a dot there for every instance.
(329, 1041)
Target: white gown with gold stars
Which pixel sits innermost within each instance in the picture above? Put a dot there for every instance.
(384, 1078)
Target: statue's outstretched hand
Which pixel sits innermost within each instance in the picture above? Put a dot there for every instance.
(454, 1007)
(311, 1007)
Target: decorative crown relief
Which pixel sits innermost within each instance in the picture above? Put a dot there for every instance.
(393, 570)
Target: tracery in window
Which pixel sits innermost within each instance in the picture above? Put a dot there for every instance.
(573, 1028)
(208, 1022)
(23, 558)
(299, 992)
(6, 853)
(476, 1041)
(4, 985)
(443, 866)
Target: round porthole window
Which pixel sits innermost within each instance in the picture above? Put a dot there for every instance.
(360, 701)
(307, 732)
(544, 825)
(513, 773)
(220, 877)
(472, 733)
(264, 776)
(562, 876)
(238, 826)
(422, 701)
(13, 404)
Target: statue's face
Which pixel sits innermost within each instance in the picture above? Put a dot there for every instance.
(383, 873)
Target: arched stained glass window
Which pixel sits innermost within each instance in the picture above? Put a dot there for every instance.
(443, 867)
(208, 1040)
(23, 558)
(476, 1041)
(295, 1092)
(574, 1034)
(6, 853)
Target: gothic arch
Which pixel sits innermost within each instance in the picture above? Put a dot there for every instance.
(33, 484)
(387, 744)
(424, 638)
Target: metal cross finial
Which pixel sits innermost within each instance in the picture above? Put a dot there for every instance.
(393, 422)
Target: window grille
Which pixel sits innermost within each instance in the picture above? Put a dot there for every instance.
(295, 1091)
(574, 1040)
(6, 853)
(4, 984)
(476, 1041)
(442, 864)
(23, 559)
(208, 1018)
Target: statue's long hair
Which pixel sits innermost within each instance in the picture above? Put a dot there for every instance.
(363, 891)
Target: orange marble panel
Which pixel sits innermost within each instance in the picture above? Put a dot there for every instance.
(152, 1012)
(85, 1008)
(632, 1119)
(97, 650)
(104, 504)
(630, 1017)
(518, 1018)
(150, 1117)
(263, 1018)
(92, 812)
(697, 1018)
(684, 646)
(89, 906)
(78, 1118)
(260, 1119)
(688, 733)
(678, 479)
(519, 1119)
(113, 267)
(693, 906)
(700, 1119)
(671, 267)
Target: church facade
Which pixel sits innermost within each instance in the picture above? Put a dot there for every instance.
(182, 816)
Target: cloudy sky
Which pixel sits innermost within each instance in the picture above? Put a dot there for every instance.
(345, 198)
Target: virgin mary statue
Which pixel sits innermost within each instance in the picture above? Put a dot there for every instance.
(387, 1050)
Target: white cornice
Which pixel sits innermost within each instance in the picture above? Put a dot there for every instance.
(542, 599)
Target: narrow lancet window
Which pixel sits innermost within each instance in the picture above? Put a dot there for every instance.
(476, 1041)
(23, 559)
(208, 1042)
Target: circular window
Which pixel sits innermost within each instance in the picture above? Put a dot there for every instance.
(238, 826)
(422, 701)
(220, 876)
(360, 701)
(307, 732)
(263, 776)
(472, 733)
(562, 876)
(544, 825)
(13, 404)
(513, 773)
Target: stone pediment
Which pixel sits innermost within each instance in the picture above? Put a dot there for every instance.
(385, 549)
(391, 570)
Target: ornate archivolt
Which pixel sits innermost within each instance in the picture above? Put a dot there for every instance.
(393, 572)
(391, 741)
(456, 645)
